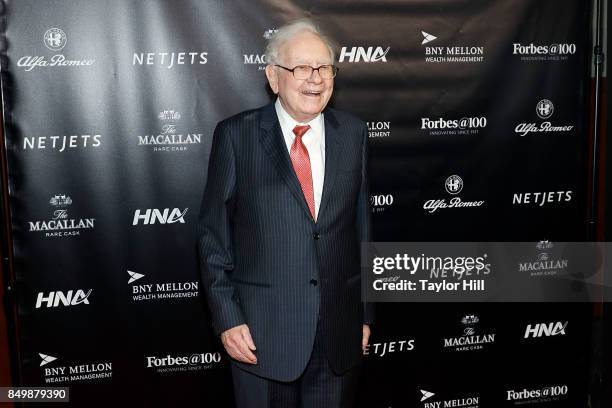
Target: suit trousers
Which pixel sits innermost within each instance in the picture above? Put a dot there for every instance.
(317, 387)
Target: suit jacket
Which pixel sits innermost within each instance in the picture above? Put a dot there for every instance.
(265, 261)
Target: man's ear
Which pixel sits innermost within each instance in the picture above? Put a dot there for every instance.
(272, 75)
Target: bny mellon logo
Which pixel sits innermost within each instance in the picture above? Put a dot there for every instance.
(46, 359)
(426, 395)
(134, 276)
(427, 38)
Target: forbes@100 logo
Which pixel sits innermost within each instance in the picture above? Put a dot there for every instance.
(463, 126)
(380, 202)
(545, 52)
(185, 362)
(537, 395)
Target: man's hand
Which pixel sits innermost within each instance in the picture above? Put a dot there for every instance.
(239, 344)
(366, 337)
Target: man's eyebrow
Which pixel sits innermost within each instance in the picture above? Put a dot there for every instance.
(304, 62)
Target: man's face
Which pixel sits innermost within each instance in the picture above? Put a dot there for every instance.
(306, 98)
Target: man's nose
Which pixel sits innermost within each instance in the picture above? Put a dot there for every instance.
(315, 76)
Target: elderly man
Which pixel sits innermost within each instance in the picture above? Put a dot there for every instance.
(284, 212)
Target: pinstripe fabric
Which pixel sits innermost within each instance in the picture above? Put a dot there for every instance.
(265, 262)
(317, 387)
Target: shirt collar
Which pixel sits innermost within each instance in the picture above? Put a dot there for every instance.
(288, 123)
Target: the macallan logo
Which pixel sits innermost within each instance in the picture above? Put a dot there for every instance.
(55, 40)
(470, 340)
(60, 224)
(57, 298)
(152, 216)
(169, 139)
(268, 34)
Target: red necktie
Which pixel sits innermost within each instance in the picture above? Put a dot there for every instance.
(301, 165)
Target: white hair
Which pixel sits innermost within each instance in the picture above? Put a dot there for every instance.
(287, 32)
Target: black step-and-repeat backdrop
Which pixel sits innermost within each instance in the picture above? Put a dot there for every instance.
(476, 111)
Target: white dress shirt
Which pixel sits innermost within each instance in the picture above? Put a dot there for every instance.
(314, 141)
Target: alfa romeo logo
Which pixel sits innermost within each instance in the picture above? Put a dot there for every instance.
(545, 109)
(54, 39)
(453, 184)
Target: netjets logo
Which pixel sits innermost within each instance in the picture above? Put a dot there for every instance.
(170, 59)
(57, 298)
(545, 329)
(152, 216)
(427, 38)
(55, 39)
(363, 54)
(389, 347)
(544, 110)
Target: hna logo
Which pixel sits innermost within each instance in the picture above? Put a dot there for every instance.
(370, 54)
(155, 216)
(542, 329)
(69, 299)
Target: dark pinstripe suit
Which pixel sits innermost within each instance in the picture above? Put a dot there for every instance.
(265, 262)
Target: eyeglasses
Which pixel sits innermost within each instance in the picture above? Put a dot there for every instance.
(305, 71)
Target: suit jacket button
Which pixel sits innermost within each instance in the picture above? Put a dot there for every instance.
(313, 282)
(316, 235)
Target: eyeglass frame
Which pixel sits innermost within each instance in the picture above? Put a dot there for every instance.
(313, 69)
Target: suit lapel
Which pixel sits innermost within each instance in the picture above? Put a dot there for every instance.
(273, 142)
(332, 155)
